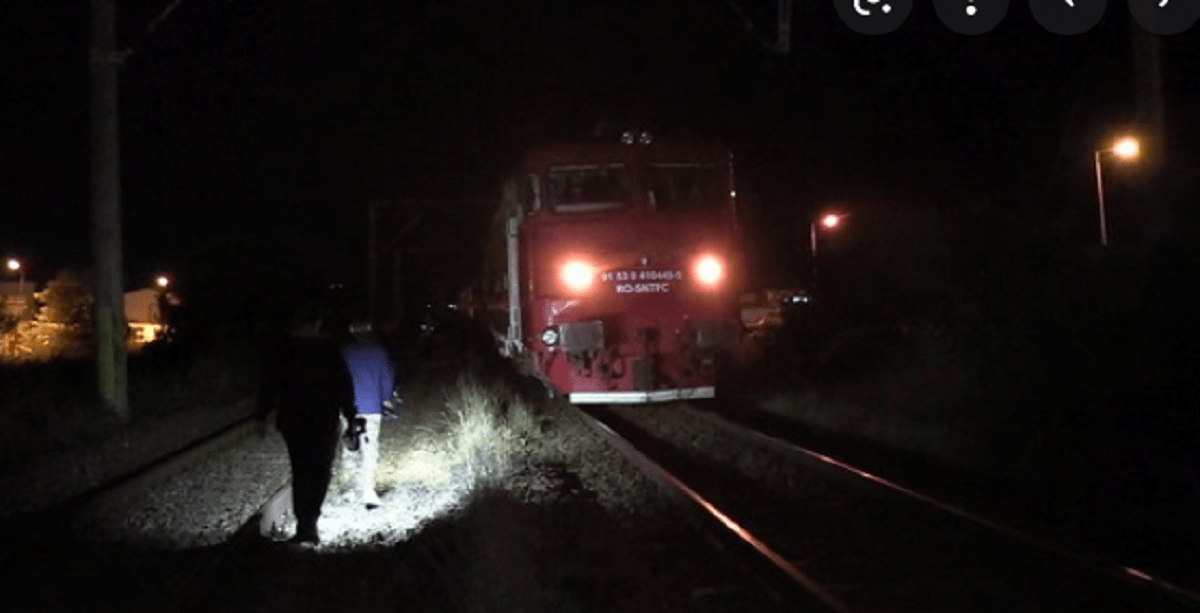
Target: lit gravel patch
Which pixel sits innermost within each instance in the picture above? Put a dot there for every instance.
(201, 506)
(561, 522)
(206, 504)
(347, 524)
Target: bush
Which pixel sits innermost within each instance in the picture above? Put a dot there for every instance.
(61, 328)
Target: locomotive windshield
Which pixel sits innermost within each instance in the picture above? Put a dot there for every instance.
(685, 187)
(581, 189)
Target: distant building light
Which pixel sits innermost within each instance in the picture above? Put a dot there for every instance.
(144, 332)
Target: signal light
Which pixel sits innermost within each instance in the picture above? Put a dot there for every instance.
(709, 270)
(577, 276)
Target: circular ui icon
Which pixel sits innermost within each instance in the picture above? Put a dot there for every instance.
(873, 16)
(1165, 17)
(971, 16)
(1068, 16)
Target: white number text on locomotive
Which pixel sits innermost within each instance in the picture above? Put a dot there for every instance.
(641, 275)
(643, 288)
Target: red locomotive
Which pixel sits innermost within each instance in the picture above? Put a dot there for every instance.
(610, 269)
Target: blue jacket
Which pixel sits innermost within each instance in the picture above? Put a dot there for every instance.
(372, 374)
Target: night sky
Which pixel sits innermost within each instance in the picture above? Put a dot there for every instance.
(254, 128)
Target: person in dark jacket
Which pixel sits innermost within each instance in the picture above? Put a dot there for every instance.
(306, 385)
(374, 385)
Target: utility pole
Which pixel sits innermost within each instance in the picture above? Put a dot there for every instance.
(1151, 121)
(104, 60)
(783, 35)
(785, 27)
(1147, 63)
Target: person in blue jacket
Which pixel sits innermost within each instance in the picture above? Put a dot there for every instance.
(374, 385)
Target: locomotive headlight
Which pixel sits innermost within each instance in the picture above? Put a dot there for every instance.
(709, 270)
(550, 336)
(577, 276)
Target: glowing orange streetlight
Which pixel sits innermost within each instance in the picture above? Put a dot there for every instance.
(15, 265)
(829, 221)
(1127, 148)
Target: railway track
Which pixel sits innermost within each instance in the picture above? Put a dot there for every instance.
(836, 538)
(63, 543)
(119, 488)
(821, 535)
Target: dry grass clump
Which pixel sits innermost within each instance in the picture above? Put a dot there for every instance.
(480, 432)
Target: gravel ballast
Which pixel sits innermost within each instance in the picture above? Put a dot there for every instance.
(569, 527)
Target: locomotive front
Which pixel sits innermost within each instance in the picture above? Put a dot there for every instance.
(628, 263)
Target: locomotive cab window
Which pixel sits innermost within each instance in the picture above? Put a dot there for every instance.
(684, 187)
(583, 189)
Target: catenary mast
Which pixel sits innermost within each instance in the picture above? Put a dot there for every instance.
(104, 60)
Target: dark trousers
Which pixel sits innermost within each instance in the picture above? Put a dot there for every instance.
(311, 449)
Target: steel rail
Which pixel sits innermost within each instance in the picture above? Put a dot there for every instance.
(1117, 571)
(128, 485)
(807, 585)
(121, 489)
(121, 486)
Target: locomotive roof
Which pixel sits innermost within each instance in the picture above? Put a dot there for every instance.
(604, 152)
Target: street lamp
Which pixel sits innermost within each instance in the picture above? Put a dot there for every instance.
(162, 282)
(15, 265)
(1126, 149)
(828, 221)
